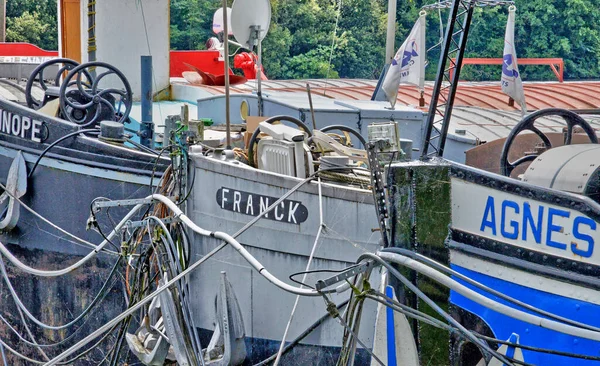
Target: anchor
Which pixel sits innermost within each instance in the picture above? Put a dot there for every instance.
(153, 347)
(16, 185)
(148, 344)
(227, 345)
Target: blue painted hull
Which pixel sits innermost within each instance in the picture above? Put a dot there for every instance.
(503, 326)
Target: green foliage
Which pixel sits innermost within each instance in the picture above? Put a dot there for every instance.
(312, 64)
(302, 34)
(32, 21)
(191, 23)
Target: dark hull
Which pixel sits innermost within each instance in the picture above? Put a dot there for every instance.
(61, 189)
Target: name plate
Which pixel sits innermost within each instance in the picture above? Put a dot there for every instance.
(288, 211)
(524, 222)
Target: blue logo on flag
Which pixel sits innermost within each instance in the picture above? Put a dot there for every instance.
(407, 56)
(508, 61)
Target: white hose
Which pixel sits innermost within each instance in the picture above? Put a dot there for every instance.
(60, 272)
(487, 302)
(236, 245)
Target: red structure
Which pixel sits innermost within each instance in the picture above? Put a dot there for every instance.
(247, 62)
(208, 61)
(552, 62)
(24, 50)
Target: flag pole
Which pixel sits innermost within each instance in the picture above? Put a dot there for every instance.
(226, 56)
(391, 32)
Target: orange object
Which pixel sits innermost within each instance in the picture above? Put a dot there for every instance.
(71, 29)
(552, 62)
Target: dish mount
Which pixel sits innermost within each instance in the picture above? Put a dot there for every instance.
(250, 21)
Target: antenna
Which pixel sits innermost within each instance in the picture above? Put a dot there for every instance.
(250, 20)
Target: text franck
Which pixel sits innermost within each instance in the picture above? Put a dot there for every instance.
(292, 212)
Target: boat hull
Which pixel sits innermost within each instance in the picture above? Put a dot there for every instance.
(223, 199)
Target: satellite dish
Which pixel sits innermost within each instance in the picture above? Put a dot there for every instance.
(218, 21)
(246, 14)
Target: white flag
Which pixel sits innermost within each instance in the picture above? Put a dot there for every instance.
(408, 65)
(511, 79)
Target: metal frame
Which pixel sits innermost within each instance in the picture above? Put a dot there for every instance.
(453, 49)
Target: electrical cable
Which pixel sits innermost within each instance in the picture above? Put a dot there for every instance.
(426, 318)
(142, 147)
(60, 272)
(135, 307)
(450, 271)
(78, 132)
(236, 245)
(188, 270)
(354, 335)
(49, 345)
(317, 271)
(302, 335)
(408, 311)
(83, 241)
(485, 301)
(47, 326)
(432, 304)
(308, 264)
(538, 349)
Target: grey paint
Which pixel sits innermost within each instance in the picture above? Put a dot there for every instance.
(282, 248)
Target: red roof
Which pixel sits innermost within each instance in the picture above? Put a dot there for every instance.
(578, 95)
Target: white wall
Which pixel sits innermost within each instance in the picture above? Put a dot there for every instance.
(121, 38)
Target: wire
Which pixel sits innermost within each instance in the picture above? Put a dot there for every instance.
(46, 326)
(60, 272)
(433, 305)
(308, 264)
(441, 267)
(78, 132)
(317, 271)
(421, 316)
(354, 335)
(33, 212)
(303, 335)
(486, 301)
(538, 349)
(190, 189)
(135, 307)
(142, 147)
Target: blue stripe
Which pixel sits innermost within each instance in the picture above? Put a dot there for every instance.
(391, 332)
(503, 326)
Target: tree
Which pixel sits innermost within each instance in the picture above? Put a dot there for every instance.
(33, 21)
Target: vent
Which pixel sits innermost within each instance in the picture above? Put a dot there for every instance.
(276, 156)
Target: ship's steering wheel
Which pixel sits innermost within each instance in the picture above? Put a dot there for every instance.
(527, 124)
(85, 105)
(346, 129)
(38, 73)
(271, 120)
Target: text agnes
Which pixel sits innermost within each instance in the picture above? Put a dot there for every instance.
(292, 212)
(20, 126)
(553, 227)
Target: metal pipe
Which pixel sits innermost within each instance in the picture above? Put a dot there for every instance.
(259, 74)
(391, 32)
(226, 56)
(312, 110)
(146, 124)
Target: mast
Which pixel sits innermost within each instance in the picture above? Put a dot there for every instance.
(446, 82)
(226, 56)
(391, 32)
